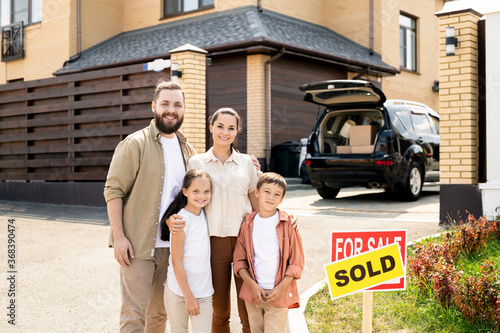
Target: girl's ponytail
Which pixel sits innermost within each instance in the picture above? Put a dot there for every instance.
(179, 202)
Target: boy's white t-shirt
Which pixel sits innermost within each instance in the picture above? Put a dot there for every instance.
(196, 260)
(174, 177)
(266, 250)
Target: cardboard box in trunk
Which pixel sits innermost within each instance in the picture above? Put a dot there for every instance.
(362, 135)
(343, 149)
(367, 149)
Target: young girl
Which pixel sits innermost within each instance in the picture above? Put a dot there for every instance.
(189, 290)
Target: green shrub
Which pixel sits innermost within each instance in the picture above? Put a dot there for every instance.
(433, 263)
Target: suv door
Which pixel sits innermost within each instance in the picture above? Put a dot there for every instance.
(403, 124)
(339, 93)
(428, 138)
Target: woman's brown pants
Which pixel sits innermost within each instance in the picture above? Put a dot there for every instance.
(222, 249)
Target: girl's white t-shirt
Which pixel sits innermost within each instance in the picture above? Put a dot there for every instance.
(196, 257)
(174, 177)
(266, 249)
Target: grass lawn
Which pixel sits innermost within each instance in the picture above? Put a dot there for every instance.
(410, 310)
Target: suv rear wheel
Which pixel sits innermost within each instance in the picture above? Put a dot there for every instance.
(413, 188)
(327, 192)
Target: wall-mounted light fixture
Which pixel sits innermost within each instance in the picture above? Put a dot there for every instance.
(451, 41)
(175, 73)
(435, 87)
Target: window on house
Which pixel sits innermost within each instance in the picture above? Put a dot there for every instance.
(12, 42)
(27, 11)
(175, 7)
(408, 42)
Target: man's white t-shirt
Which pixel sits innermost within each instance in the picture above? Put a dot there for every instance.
(266, 250)
(174, 177)
(196, 259)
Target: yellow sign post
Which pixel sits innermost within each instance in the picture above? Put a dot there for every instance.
(363, 271)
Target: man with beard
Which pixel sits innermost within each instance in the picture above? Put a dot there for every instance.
(145, 175)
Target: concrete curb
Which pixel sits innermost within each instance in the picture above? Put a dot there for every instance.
(296, 321)
(410, 243)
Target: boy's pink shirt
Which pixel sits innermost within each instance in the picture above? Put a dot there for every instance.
(291, 261)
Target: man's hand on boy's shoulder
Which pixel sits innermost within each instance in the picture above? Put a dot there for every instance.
(293, 220)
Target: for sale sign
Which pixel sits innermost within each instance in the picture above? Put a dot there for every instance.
(346, 244)
(364, 270)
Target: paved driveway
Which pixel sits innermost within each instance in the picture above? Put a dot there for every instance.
(67, 279)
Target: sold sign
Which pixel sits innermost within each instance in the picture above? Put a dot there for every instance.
(365, 270)
(349, 243)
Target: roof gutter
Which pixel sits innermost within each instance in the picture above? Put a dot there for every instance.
(268, 105)
(303, 51)
(371, 27)
(112, 65)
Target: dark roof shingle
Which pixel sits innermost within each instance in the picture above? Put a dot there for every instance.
(226, 28)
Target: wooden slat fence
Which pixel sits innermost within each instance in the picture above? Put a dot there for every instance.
(66, 128)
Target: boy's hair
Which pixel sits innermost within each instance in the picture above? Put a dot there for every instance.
(180, 200)
(272, 178)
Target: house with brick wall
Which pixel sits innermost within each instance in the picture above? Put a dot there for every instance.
(64, 58)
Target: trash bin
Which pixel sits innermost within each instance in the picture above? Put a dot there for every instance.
(286, 158)
(302, 165)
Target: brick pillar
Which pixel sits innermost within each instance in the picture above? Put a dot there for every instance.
(191, 60)
(256, 105)
(458, 108)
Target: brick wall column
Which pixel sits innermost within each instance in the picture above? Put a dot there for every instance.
(458, 108)
(191, 60)
(256, 105)
(458, 100)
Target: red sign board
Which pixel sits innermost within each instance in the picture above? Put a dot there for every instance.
(348, 243)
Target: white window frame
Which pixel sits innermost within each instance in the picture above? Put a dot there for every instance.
(408, 42)
(8, 16)
(186, 6)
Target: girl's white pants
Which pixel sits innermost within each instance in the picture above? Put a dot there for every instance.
(176, 312)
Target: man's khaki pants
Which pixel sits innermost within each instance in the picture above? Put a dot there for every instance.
(142, 294)
(266, 318)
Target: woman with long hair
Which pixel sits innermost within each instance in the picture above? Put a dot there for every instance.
(234, 178)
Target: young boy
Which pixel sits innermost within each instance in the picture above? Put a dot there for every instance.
(269, 258)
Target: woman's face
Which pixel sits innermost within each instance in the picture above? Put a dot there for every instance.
(224, 129)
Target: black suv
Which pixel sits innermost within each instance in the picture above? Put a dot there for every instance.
(361, 139)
